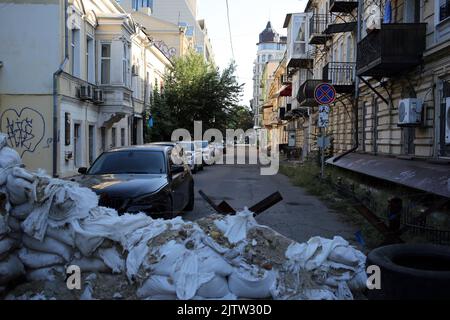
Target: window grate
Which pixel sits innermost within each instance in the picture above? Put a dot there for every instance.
(444, 10)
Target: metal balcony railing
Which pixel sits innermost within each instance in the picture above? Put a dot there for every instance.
(345, 6)
(318, 23)
(339, 73)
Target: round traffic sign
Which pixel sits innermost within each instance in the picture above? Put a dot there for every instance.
(325, 93)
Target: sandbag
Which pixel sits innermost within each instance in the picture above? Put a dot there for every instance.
(91, 265)
(112, 258)
(87, 244)
(37, 260)
(235, 227)
(46, 274)
(9, 158)
(169, 253)
(64, 234)
(19, 190)
(14, 224)
(210, 261)
(217, 287)
(157, 285)
(4, 229)
(21, 212)
(48, 245)
(7, 245)
(11, 268)
(344, 255)
(246, 286)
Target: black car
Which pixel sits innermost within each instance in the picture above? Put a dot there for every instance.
(140, 179)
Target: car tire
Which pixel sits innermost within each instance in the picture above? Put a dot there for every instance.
(411, 271)
(191, 203)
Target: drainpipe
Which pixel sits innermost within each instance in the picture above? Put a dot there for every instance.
(55, 90)
(357, 81)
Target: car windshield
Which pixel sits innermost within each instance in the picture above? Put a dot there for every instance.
(188, 146)
(129, 162)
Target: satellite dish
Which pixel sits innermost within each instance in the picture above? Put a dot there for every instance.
(372, 17)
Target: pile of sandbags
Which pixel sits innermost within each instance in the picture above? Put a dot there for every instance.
(47, 225)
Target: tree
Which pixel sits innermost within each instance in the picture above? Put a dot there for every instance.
(194, 90)
(240, 117)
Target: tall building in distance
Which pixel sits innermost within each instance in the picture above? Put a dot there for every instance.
(271, 47)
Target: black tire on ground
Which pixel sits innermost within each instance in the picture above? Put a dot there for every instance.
(191, 203)
(411, 271)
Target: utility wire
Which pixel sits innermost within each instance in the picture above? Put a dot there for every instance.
(229, 29)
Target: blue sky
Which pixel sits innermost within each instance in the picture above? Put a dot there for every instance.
(248, 19)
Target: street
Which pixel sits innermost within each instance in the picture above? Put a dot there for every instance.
(299, 216)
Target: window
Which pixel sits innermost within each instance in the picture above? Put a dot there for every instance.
(106, 63)
(113, 138)
(142, 4)
(90, 60)
(91, 144)
(122, 137)
(125, 66)
(75, 46)
(444, 9)
(103, 138)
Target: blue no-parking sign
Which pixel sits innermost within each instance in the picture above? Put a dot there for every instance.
(325, 93)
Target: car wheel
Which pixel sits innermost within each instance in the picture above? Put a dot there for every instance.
(411, 271)
(190, 205)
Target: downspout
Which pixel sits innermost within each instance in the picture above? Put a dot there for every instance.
(55, 90)
(357, 81)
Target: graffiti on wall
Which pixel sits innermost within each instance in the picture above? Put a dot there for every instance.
(24, 127)
(164, 48)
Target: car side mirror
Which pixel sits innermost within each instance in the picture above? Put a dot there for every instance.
(82, 170)
(175, 169)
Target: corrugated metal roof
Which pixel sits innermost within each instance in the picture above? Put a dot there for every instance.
(417, 174)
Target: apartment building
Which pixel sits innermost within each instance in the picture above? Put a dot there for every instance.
(181, 13)
(389, 62)
(74, 80)
(271, 48)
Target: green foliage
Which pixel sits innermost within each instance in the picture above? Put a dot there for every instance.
(194, 90)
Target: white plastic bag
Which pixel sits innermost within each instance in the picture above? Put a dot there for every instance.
(37, 260)
(344, 255)
(235, 227)
(48, 245)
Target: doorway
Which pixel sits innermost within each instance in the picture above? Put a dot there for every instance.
(77, 144)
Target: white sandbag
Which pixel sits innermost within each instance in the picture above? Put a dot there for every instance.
(217, 287)
(48, 245)
(21, 173)
(344, 255)
(91, 265)
(113, 259)
(65, 235)
(21, 212)
(46, 274)
(11, 268)
(9, 158)
(169, 253)
(88, 287)
(7, 245)
(156, 285)
(37, 260)
(4, 229)
(235, 227)
(87, 245)
(19, 190)
(318, 294)
(14, 224)
(3, 140)
(187, 276)
(243, 285)
(210, 261)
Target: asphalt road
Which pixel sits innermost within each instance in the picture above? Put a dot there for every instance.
(299, 216)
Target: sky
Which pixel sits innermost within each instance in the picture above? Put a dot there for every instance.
(247, 18)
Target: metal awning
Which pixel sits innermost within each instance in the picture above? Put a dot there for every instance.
(417, 174)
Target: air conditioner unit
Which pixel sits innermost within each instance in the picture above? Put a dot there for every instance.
(86, 92)
(409, 112)
(98, 96)
(447, 120)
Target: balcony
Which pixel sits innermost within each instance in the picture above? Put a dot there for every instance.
(305, 94)
(339, 24)
(343, 6)
(317, 26)
(297, 37)
(393, 49)
(341, 75)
